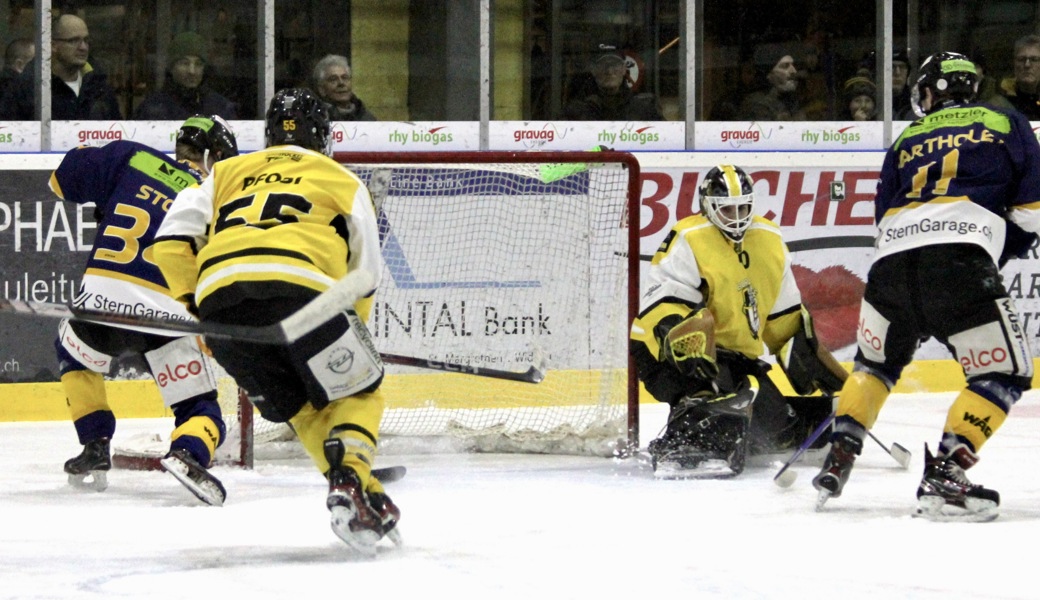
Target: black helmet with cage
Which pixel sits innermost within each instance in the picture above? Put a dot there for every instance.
(209, 136)
(950, 76)
(728, 200)
(297, 116)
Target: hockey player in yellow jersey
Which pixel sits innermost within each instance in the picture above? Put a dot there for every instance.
(720, 292)
(260, 238)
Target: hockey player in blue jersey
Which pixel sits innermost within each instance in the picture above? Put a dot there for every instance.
(959, 193)
(132, 187)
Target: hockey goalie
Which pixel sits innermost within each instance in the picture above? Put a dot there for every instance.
(720, 292)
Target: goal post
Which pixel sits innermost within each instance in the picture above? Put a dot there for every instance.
(501, 264)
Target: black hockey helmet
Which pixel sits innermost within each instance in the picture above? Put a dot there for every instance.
(210, 135)
(950, 76)
(297, 116)
(727, 198)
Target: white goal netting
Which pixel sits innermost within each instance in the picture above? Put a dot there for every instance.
(503, 262)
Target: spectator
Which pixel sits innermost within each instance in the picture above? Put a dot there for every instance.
(332, 80)
(1021, 91)
(184, 93)
(988, 85)
(78, 91)
(778, 100)
(901, 108)
(20, 52)
(859, 99)
(611, 98)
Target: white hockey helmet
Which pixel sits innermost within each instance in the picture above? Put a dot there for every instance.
(728, 200)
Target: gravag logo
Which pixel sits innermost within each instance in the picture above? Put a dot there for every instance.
(115, 132)
(741, 137)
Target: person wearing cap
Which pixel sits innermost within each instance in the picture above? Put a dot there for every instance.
(78, 91)
(185, 93)
(611, 99)
(778, 99)
(859, 99)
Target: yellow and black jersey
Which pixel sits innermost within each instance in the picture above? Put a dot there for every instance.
(749, 287)
(265, 224)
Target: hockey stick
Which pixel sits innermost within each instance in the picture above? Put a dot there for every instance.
(897, 452)
(785, 478)
(147, 462)
(535, 374)
(339, 297)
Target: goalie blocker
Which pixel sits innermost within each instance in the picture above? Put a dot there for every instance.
(810, 366)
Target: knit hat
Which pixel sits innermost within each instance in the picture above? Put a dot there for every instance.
(858, 86)
(766, 56)
(187, 43)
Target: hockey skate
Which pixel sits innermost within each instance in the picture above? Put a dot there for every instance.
(90, 469)
(706, 437)
(836, 467)
(353, 519)
(195, 477)
(388, 513)
(946, 494)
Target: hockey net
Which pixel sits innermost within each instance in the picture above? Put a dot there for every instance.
(502, 261)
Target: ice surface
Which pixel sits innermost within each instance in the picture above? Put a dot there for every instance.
(499, 527)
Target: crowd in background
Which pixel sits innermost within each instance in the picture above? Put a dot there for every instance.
(815, 74)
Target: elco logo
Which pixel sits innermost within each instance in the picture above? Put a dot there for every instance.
(868, 337)
(83, 355)
(983, 359)
(178, 372)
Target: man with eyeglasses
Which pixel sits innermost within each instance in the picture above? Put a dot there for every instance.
(1022, 92)
(332, 81)
(78, 92)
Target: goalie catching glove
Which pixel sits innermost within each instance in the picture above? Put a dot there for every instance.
(689, 345)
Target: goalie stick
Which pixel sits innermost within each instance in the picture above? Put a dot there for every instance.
(785, 478)
(339, 297)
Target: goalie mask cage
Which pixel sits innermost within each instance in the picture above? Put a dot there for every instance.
(500, 260)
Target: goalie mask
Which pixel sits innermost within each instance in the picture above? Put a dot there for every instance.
(208, 135)
(296, 116)
(950, 76)
(728, 200)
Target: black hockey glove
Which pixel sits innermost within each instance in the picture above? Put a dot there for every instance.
(1017, 243)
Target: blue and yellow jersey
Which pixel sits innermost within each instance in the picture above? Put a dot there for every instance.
(749, 287)
(132, 187)
(955, 176)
